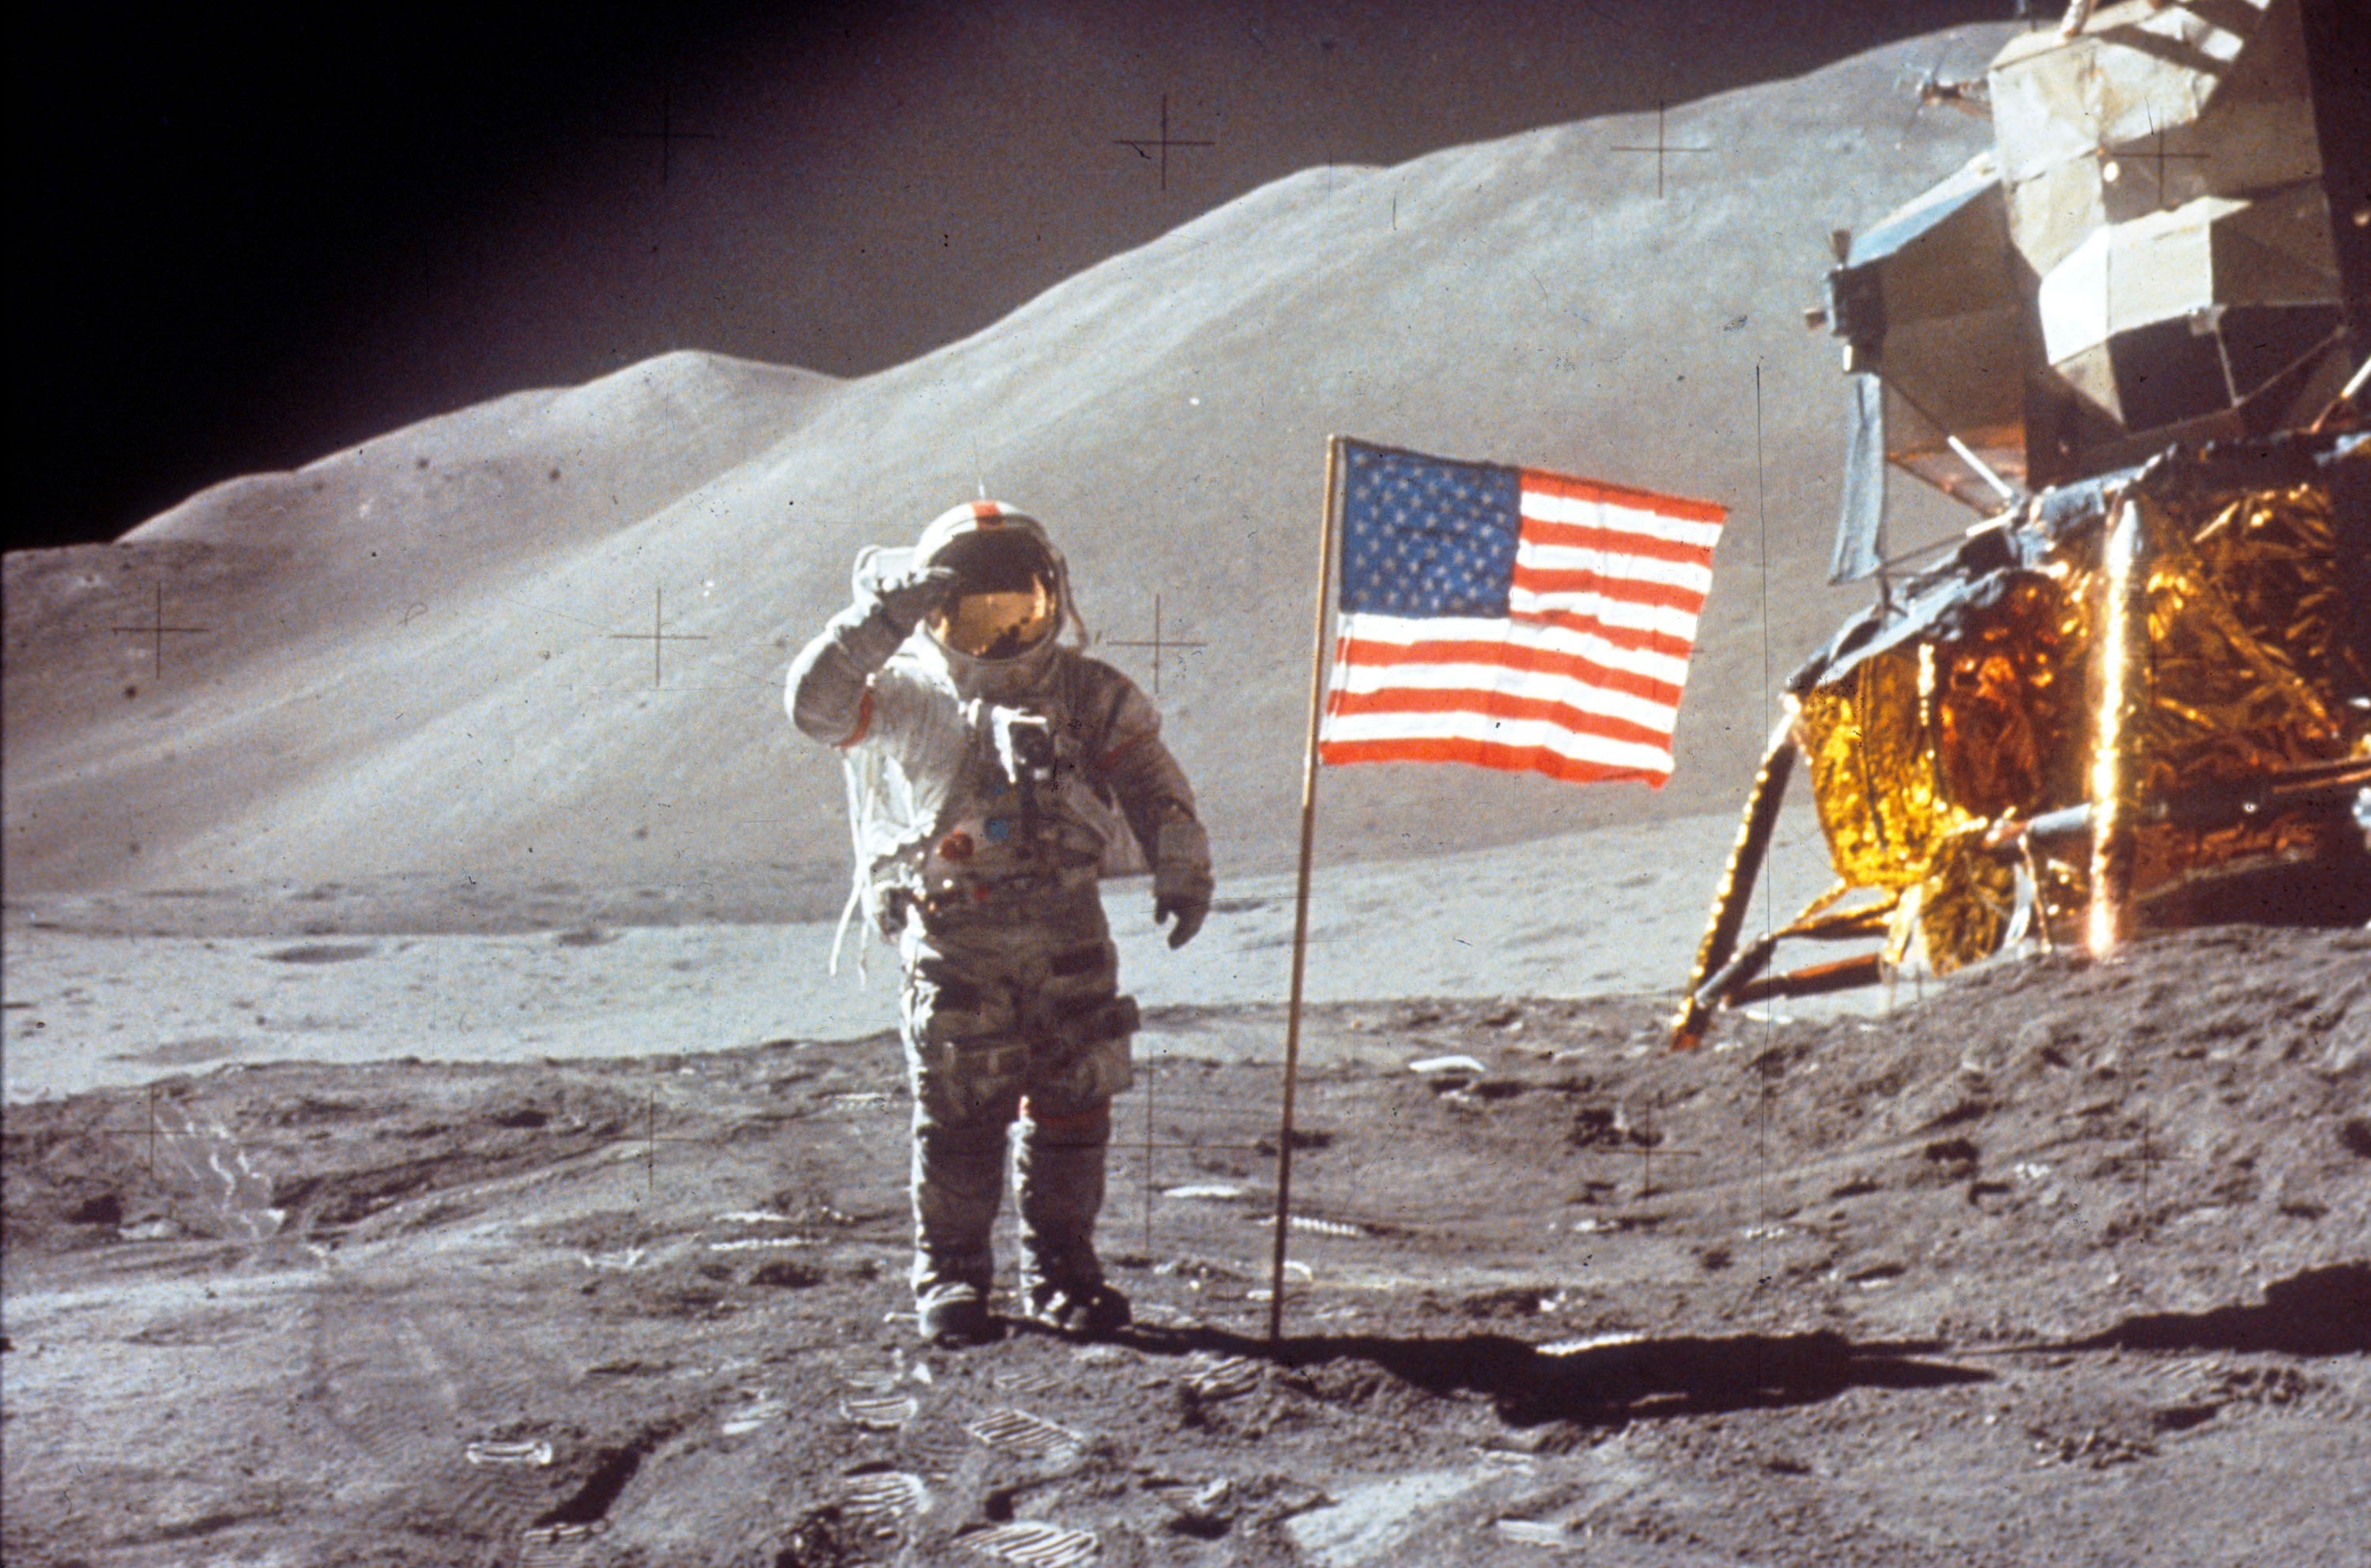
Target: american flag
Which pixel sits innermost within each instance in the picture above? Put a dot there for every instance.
(1512, 619)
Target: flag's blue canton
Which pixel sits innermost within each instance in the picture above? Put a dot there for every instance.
(1421, 536)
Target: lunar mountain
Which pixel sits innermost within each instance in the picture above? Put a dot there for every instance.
(540, 639)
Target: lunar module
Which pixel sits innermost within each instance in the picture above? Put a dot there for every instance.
(2134, 337)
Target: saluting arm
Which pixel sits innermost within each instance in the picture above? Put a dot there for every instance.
(829, 680)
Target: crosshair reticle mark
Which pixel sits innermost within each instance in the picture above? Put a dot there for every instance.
(1152, 1144)
(206, 1155)
(666, 135)
(151, 1132)
(1661, 149)
(1163, 141)
(658, 636)
(1647, 1152)
(1646, 1144)
(158, 630)
(2150, 1155)
(2158, 157)
(1158, 644)
(651, 1137)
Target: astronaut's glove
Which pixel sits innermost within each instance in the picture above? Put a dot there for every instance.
(1181, 878)
(1190, 917)
(901, 590)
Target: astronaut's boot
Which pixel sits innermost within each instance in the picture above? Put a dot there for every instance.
(958, 1178)
(1060, 1165)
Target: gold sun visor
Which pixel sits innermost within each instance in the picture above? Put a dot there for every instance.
(997, 626)
(1006, 599)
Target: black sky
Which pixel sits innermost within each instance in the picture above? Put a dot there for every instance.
(249, 236)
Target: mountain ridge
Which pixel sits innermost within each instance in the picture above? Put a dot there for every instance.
(462, 664)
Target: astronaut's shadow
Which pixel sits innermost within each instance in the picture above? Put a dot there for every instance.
(1604, 1382)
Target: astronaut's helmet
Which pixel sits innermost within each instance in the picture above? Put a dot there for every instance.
(1006, 602)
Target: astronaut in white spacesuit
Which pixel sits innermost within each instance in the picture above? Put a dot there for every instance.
(994, 775)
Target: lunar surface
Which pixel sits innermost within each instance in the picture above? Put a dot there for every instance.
(433, 1139)
(2067, 1262)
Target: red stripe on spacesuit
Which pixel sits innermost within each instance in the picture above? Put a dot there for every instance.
(864, 719)
(990, 513)
(1103, 763)
(1083, 1120)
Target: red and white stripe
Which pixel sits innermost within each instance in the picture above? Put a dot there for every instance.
(1582, 680)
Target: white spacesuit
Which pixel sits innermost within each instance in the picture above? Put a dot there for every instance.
(994, 775)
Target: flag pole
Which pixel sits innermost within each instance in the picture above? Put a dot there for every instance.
(1301, 897)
